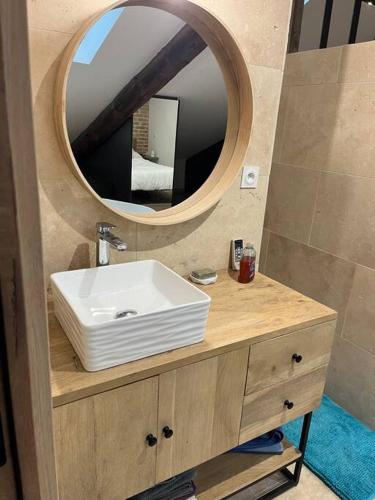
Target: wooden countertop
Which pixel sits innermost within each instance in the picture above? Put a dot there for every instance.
(239, 315)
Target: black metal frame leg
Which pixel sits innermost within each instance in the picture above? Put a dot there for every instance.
(292, 477)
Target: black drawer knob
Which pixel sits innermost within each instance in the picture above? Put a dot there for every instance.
(297, 358)
(151, 440)
(288, 404)
(168, 433)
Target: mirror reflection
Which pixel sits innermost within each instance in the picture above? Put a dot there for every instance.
(146, 109)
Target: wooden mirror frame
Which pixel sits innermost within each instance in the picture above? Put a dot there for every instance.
(239, 118)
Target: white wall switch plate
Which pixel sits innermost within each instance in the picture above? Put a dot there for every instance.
(250, 176)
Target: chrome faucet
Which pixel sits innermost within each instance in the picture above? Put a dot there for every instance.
(104, 240)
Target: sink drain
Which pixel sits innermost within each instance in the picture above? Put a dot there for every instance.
(126, 314)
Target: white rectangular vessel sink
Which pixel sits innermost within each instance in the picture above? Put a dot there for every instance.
(120, 313)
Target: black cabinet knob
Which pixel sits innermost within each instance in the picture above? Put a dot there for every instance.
(168, 433)
(297, 358)
(151, 440)
(288, 404)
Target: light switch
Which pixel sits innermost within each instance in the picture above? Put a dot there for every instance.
(250, 176)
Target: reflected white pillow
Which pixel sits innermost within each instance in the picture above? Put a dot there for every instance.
(128, 207)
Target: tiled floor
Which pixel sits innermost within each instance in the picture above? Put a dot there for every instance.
(309, 488)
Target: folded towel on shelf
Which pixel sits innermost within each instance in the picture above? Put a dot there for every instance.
(179, 487)
(270, 442)
(274, 449)
(188, 497)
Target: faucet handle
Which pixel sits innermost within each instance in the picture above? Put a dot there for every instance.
(104, 227)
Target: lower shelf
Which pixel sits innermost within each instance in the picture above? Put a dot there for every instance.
(228, 473)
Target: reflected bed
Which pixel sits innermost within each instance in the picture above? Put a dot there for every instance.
(150, 176)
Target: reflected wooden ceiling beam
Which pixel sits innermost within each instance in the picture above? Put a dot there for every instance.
(171, 59)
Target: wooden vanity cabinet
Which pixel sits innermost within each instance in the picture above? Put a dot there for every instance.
(253, 372)
(106, 444)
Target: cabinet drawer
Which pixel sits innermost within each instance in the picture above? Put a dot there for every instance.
(271, 361)
(264, 410)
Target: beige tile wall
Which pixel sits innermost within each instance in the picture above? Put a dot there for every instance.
(319, 232)
(69, 213)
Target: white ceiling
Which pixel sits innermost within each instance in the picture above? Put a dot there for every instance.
(135, 39)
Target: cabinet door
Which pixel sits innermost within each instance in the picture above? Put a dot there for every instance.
(101, 447)
(202, 404)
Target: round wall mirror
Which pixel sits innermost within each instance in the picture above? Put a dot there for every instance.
(150, 109)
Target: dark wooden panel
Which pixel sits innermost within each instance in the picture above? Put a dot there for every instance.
(171, 59)
(198, 168)
(108, 168)
(326, 24)
(295, 26)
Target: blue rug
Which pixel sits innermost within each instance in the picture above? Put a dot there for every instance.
(340, 450)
